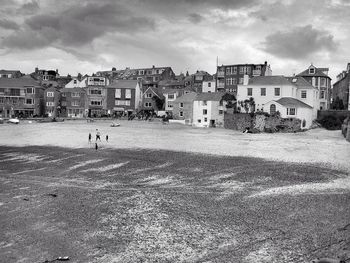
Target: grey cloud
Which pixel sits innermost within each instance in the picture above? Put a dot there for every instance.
(8, 24)
(221, 4)
(78, 25)
(195, 18)
(29, 8)
(299, 42)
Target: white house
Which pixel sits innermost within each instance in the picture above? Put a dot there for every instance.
(76, 83)
(208, 110)
(209, 86)
(292, 97)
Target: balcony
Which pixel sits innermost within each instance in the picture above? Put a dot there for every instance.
(221, 85)
(256, 72)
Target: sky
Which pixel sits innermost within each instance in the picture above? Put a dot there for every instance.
(87, 36)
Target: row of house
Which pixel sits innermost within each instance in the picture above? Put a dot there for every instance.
(123, 92)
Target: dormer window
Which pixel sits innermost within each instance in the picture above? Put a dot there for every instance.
(311, 70)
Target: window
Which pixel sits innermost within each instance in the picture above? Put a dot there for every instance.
(2, 90)
(229, 81)
(149, 72)
(29, 101)
(199, 120)
(96, 103)
(30, 90)
(181, 113)
(234, 81)
(323, 82)
(118, 93)
(141, 72)
(64, 103)
(221, 112)
(1, 100)
(228, 70)
(122, 102)
(95, 92)
(277, 92)
(148, 104)
(205, 112)
(149, 95)
(240, 80)
(234, 70)
(248, 70)
(76, 94)
(311, 71)
(291, 111)
(63, 94)
(241, 70)
(128, 93)
(263, 91)
(170, 105)
(50, 94)
(75, 103)
(204, 103)
(181, 104)
(15, 92)
(303, 94)
(75, 81)
(249, 91)
(171, 96)
(209, 84)
(50, 103)
(272, 109)
(322, 94)
(205, 119)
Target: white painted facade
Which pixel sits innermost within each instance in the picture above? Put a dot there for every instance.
(207, 113)
(75, 83)
(169, 100)
(209, 86)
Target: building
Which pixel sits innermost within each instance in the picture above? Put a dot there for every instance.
(96, 92)
(123, 97)
(229, 76)
(52, 97)
(209, 109)
(10, 73)
(183, 107)
(195, 81)
(293, 97)
(45, 75)
(74, 103)
(171, 95)
(209, 85)
(152, 100)
(21, 97)
(341, 89)
(318, 77)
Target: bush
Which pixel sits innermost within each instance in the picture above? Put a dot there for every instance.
(331, 122)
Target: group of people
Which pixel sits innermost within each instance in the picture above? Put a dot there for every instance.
(98, 138)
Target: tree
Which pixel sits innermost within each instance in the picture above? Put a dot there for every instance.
(159, 102)
(337, 104)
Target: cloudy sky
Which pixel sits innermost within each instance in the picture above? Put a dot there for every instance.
(87, 36)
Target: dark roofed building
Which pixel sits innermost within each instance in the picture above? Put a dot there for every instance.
(341, 90)
(10, 73)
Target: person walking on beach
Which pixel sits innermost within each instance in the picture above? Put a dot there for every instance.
(89, 137)
(107, 138)
(96, 146)
(98, 135)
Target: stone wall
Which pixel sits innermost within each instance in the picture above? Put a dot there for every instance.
(261, 123)
(237, 121)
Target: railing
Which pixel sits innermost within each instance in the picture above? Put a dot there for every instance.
(256, 72)
(221, 85)
(221, 74)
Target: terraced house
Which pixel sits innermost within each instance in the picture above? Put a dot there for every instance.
(21, 97)
(96, 96)
(341, 89)
(52, 97)
(73, 102)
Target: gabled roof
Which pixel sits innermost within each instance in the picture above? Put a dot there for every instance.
(287, 101)
(269, 80)
(24, 81)
(123, 84)
(318, 72)
(188, 97)
(5, 71)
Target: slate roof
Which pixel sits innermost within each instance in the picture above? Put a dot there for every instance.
(76, 89)
(269, 80)
(5, 71)
(211, 96)
(287, 101)
(301, 82)
(189, 97)
(120, 84)
(318, 73)
(19, 82)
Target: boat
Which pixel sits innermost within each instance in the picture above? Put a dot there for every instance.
(115, 124)
(13, 121)
(1, 121)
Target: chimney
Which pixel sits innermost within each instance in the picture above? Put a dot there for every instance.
(153, 66)
(36, 70)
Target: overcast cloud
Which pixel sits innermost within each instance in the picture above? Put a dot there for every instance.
(86, 36)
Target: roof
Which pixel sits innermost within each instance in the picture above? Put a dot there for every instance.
(188, 97)
(287, 101)
(300, 82)
(318, 73)
(269, 80)
(212, 96)
(75, 89)
(120, 84)
(26, 80)
(5, 71)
